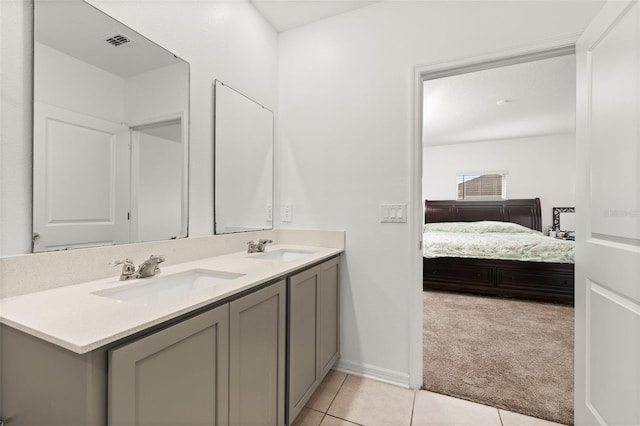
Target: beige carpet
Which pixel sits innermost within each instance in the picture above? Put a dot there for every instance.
(506, 353)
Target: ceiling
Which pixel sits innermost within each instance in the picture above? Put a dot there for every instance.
(286, 14)
(539, 96)
(540, 100)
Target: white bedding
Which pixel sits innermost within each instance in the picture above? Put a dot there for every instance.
(494, 240)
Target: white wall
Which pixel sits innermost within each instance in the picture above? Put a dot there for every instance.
(157, 94)
(225, 40)
(16, 24)
(345, 106)
(159, 212)
(537, 167)
(66, 82)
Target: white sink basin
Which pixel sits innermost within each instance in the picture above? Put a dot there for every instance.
(155, 290)
(281, 255)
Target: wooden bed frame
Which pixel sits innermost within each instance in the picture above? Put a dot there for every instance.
(550, 282)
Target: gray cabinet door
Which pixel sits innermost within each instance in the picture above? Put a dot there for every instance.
(314, 335)
(304, 338)
(329, 315)
(177, 376)
(257, 357)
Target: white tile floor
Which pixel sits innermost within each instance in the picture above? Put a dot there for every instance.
(343, 400)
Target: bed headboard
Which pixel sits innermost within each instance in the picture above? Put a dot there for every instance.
(526, 212)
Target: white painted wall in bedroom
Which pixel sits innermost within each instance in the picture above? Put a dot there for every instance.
(230, 41)
(345, 106)
(538, 167)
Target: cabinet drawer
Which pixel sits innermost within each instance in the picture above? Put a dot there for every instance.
(450, 274)
(557, 282)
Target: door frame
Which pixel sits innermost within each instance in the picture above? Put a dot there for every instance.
(493, 59)
(134, 145)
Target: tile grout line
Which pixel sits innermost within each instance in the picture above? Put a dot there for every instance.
(413, 407)
(337, 392)
(500, 417)
(346, 420)
(311, 409)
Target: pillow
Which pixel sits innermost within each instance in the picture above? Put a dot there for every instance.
(479, 227)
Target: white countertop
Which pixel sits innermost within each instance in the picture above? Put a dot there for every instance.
(74, 318)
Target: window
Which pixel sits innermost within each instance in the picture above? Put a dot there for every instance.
(482, 186)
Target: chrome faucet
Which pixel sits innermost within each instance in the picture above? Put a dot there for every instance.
(148, 268)
(257, 247)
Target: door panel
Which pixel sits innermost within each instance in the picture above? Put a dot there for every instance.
(614, 327)
(329, 315)
(81, 180)
(607, 388)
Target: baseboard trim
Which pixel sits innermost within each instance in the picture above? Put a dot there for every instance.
(392, 377)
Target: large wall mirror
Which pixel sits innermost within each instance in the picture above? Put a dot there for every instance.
(110, 130)
(243, 164)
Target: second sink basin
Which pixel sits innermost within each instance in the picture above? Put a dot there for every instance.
(161, 289)
(281, 255)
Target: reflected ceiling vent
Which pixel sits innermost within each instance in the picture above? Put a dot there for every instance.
(118, 40)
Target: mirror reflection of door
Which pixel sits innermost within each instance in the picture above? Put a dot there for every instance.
(81, 180)
(156, 181)
(98, 87)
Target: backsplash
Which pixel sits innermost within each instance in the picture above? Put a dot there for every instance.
(29, 273)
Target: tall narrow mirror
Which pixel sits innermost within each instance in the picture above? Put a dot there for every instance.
(110, 132)
(243, 164)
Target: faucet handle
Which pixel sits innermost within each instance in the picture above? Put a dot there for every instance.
(125, 262)
(128, 269)
(158, 258)
(264, 241)
(251, 246)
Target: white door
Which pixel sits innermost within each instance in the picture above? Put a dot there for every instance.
(608, 219)
(81, 180)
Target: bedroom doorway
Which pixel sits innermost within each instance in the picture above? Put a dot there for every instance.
(512, 117)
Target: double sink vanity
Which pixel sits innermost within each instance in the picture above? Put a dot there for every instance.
(241, 338)
(220, 336)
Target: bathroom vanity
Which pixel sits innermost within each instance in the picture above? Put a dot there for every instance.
(251, 349)
(220, 336)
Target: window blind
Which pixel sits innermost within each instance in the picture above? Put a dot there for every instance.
(482, 186)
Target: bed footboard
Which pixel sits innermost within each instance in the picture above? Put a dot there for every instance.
(549, 282)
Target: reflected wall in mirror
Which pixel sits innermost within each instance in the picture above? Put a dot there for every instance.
(110, 132)
(243, 164)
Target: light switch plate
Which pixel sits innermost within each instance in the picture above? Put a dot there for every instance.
(393, 213)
